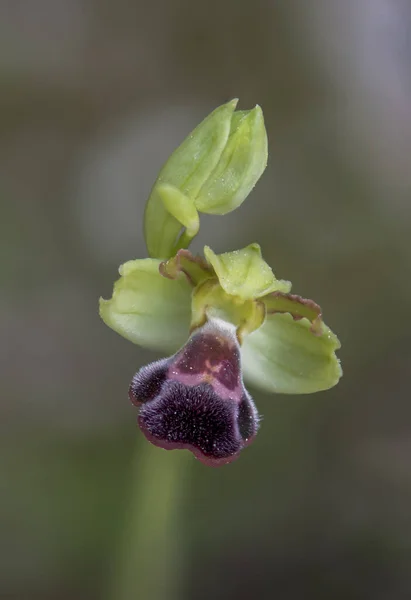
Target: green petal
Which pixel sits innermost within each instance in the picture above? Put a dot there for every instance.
(244, 273)
(240, 167)
(187, 169)
(285, 356)
(147, 308)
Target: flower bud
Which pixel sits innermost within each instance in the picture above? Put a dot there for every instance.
(241, 165)
(212, 171)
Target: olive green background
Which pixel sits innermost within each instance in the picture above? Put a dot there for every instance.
(94, 95)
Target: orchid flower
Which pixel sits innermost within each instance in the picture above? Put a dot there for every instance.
(224, 318)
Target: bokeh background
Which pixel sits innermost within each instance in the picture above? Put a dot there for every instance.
(94, 95)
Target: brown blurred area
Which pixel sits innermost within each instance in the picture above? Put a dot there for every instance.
(94, 95)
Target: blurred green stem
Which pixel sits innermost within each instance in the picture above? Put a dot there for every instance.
(149, 558)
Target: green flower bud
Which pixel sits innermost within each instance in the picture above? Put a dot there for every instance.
(240, 166)
(212, 171)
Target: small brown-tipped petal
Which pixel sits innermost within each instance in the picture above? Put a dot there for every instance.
(296, 306)
(195, 268)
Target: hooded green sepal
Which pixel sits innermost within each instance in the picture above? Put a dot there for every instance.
(292, 353)
(245, 273)
(187, 169)
(147, 308)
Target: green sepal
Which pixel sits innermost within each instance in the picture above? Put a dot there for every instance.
(187, 169)
(286, 356)
(147, 308)
(244, 273)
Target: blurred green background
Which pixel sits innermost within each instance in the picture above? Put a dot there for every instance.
(94, 95)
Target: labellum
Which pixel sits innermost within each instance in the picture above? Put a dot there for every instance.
(196, 399)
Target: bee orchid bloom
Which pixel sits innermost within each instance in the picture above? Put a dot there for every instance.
(224, 318)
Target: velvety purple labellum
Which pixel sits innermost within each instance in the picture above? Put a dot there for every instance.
(147, 382)
(196, 399)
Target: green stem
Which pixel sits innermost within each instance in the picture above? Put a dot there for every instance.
(149, 558)
(184, 241)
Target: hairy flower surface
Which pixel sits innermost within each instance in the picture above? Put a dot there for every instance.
(223, 317)
(196, 398)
